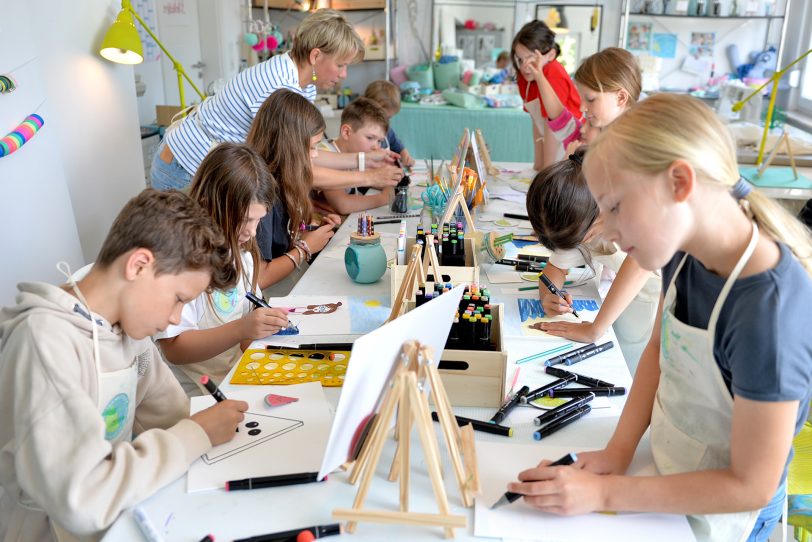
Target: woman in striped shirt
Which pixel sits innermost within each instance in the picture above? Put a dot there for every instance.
(324, 46)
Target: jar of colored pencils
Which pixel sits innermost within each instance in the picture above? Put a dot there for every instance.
(365, 258)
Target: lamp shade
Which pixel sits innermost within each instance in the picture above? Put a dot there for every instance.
(122, 43)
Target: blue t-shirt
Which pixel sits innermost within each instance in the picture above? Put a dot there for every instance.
(762, 345)
(273, 238)
(395, 144)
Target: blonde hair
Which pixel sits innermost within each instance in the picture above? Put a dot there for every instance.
(330, 32)
(386, 93)
(611, 70)
(650, 136)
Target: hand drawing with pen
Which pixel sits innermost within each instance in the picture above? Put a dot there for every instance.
(531, 314)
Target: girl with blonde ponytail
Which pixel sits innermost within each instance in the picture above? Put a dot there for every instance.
(726, 379)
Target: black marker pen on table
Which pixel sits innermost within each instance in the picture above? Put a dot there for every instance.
(505, 409)
(510, 497)
(209, 384)
(317, 531)
(579, 378)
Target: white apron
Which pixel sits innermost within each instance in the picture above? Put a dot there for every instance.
(690, 430)
(533, 107)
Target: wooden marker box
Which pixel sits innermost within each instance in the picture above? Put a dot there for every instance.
(467, 274)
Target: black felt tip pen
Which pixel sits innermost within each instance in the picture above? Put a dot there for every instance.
(317, 531)
(554, 290)
(547, 388)
(562, 422)
(479, 425)
(388, 221)
(209, 384)
(257, 301)
(505, 409)
(601, 392)
(510, 497)
(584, 354)
(562, 410)
(555, 360)
(340, 347)
(516, 215)
(579, 378)
(273, 481)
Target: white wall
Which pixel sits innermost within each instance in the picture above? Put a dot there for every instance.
(62, 190)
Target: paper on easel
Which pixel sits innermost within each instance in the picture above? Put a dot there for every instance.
(285, 439)
(373, 358)
(524, 522)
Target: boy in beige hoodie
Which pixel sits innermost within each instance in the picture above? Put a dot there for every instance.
(93, 421)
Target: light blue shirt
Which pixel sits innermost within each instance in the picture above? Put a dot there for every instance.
(227, 116)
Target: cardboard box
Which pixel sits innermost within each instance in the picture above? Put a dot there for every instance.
(357, 4)
(477, 377)
(164, 114)
(468, 274)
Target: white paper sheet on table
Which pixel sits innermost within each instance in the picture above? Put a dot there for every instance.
(500, 463)
(291, 437)
(503, 274)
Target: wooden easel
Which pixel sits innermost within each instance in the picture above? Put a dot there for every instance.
(416, 275)
(785, 140)
(451, 207)
(485, 153)
(407, 396)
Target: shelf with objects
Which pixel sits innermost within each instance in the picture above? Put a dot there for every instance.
(698, 47)
(372, 19)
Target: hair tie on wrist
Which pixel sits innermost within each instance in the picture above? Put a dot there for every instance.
(577, 158)
(741, 189)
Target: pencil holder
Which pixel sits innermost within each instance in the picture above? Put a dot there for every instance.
(365, 259)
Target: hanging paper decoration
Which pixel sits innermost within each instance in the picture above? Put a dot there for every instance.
(21, 135)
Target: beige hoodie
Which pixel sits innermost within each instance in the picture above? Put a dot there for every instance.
(57, 471)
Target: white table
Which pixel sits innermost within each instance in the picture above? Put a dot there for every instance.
(189, 517)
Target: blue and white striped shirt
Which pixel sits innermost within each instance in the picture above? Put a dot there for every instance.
(227, 116)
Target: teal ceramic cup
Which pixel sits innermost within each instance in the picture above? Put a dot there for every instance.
(365, 260)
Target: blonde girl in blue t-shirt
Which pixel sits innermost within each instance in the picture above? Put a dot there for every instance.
(726, 379)
(234, 185)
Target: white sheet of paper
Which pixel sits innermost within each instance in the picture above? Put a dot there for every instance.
(291, 438)
(373, 357)
(503, 274)
(500, 463)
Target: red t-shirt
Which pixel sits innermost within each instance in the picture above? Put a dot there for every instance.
(562, 85)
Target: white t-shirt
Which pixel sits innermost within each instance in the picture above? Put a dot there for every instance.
(208, 311)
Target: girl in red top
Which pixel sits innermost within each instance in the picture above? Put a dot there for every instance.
(533, 50)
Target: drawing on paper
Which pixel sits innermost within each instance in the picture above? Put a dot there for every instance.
(324, 308)
(253, 431)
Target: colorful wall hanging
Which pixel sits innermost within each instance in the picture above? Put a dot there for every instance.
(21, 135)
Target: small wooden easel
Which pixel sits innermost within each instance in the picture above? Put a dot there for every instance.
(485, 153)
(416, 276)
(457, 198)
(408, 397)
(784, 139)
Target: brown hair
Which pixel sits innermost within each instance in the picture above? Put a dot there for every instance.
(560, 206)
(535, 36)
(281, 134)
(611, 70)
(650, 136)
(230, 178)
(178, 232)
(363, 111)
(386, 93)
(328, 31)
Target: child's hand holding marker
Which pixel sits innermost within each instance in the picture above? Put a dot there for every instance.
(318, 238)
(563, 490)
(221, 420)
(553, 300)
(261, 322)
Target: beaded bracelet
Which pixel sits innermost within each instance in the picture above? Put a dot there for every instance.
(303, 245)
(295, 263)
(301, 252)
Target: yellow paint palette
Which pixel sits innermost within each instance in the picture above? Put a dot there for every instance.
(281, 367)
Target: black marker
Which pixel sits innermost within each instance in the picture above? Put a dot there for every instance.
(562, 410)
(579, 378)
(548, 388)
(212, 388)
(515, 215)
(479, 425)
(510, 497)
(341, 347)
(388, 221)
(317, 531)
(555, 291)
(562, 422)
(555, 360)
(273, 481)
(503, 411)
(577, 392)
(593, 351)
